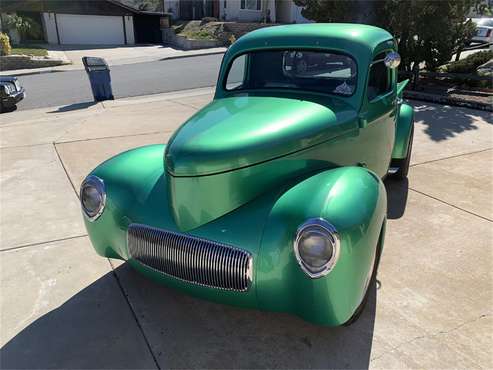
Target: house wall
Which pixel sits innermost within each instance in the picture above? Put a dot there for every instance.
(232, 12)
(49, 26)
(284, 11)
(129, 29)
(172, 6)
(296, 16)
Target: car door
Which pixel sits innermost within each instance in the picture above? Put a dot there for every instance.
(378, 115)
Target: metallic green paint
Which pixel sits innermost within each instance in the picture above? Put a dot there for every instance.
(370, 147)
(238, 132)
(250, 168)
(362, 42)
(401, 86)
(405, 124)
(354, 201)
(352, 198)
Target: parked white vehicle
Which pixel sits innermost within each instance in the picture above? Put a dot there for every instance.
(484, 30)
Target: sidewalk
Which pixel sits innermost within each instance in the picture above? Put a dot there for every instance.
(113, 55)
(432, 307)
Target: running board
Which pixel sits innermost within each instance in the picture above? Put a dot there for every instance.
(393, 170)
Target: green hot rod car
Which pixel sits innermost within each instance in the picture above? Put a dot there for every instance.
(271, 196)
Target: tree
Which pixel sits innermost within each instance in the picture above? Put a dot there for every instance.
(15, 22)
(427, 31)
(145, 5)
(24, 25)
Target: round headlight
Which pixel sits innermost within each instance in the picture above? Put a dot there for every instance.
(92, 197)
(316, 247)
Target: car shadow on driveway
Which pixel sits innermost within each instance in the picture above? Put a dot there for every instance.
(397, 191)
(183, 332)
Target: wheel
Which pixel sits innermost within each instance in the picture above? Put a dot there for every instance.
(403, 164)
(373, 279)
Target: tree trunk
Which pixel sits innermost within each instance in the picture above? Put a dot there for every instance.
(415, 75)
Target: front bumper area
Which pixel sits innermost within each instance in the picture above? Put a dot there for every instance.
(273, 285)
(224, 274)
(264, 227)
(14, 98)
(190, 259)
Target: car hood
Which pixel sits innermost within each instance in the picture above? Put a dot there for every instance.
(241, 131)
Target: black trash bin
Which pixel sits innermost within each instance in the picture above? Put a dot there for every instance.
(99, 75)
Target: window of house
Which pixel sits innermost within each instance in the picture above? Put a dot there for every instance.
(379, 82)
(250, 4)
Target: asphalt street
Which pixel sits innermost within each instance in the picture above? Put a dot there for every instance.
(72, 87)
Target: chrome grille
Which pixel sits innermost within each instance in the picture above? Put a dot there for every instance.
(189, 258)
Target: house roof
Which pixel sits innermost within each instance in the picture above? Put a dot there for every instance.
(101, 7)
(134, 10)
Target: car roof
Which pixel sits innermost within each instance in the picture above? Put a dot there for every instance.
(351, 37)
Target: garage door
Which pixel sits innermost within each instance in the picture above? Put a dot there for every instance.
(90, 29)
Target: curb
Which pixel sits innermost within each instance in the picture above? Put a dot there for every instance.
(191, 56)
(119, 102)
(445, 100)
(155, 98)
(30, 72)
(58, 69)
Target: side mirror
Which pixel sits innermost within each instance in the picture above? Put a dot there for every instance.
(392, 59)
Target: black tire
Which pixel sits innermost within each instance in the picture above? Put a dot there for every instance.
(403, 164)
(373, 279)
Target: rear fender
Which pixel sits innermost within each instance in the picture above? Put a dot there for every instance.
(404, 124)
(352, 199)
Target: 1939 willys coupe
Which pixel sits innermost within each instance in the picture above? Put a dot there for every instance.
(271, 196)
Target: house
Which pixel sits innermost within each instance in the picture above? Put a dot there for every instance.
(482, 9)
(87, 22)
(276, 11)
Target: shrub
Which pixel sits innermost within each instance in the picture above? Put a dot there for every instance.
(207, 20)
(232, 39)
(5, 48)
(470, 63)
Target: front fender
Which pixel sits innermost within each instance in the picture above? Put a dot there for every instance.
(405, 122)
(136, 190)
(354, 200)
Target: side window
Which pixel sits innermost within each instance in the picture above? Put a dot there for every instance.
(379, 82)
(236, 73)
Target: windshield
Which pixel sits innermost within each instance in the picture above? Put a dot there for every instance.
(293, 69)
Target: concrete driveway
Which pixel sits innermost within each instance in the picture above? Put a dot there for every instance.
(62, 306)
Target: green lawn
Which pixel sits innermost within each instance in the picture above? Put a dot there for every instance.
(29, 50)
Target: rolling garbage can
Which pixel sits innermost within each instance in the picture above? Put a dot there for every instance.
(99, 75)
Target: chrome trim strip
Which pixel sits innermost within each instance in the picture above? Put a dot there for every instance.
(190, 259)
(331, 233)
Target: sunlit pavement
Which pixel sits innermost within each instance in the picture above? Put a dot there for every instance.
(64, 307)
